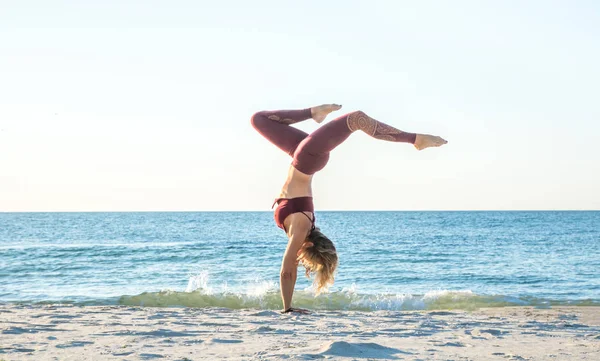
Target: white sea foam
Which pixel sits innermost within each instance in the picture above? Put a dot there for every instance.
(199, 282)
(261, 294)
(265, 295)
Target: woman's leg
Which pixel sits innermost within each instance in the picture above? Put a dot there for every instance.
(360, 121)
(376, 129)
(274, 125)
(313, 153)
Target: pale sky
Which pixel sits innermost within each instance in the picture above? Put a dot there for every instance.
(146, 105)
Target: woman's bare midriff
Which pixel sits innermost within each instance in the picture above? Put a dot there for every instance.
(297, 184)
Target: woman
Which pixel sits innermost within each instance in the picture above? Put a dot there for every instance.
(295, 212)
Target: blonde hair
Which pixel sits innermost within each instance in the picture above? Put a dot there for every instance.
(319, 256)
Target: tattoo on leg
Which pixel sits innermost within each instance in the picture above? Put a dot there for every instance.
(361, 121)
(376, 129)
(287, 121)
(288, 117)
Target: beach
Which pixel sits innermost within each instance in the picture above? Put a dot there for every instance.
(410, 286)
(71, 332)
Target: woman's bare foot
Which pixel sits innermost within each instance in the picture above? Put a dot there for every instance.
(425, 141)
(320, 112)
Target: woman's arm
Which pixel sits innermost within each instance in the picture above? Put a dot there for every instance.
(289, 272)
(298, 230)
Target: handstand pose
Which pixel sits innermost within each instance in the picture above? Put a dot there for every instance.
(295, 211)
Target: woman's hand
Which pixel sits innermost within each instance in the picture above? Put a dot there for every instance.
(296, 310)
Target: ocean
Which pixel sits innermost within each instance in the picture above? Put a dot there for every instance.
(388, 260)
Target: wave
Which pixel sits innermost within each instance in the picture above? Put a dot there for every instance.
(342, 300)
(265, 296)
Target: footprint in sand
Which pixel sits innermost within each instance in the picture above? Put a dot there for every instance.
(567, 317)
(219, 340)
(192, 342)
(123, 353)
(511, 357)
(34, 329)
(479, 333)
(155, 333)
(359, 350)
(265, 314)
(60, 316)
(451, 344)
(149, 356)
(18, 349)
(75, 344)
(497, 333)
(441, 313)
(269, 329)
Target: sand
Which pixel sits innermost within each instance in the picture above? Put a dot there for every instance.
(66, 332)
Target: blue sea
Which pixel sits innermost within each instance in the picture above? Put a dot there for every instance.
(388, 260)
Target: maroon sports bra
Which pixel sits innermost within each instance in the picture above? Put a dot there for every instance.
(287, 206)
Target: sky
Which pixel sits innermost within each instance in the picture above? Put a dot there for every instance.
(146, 105)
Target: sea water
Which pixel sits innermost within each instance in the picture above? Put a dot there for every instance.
(388, 260)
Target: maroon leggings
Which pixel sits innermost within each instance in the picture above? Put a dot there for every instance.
(310, 153)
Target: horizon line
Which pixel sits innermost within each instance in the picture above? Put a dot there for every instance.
(322, 210)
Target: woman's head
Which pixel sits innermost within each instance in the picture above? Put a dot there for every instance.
(318, 256)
